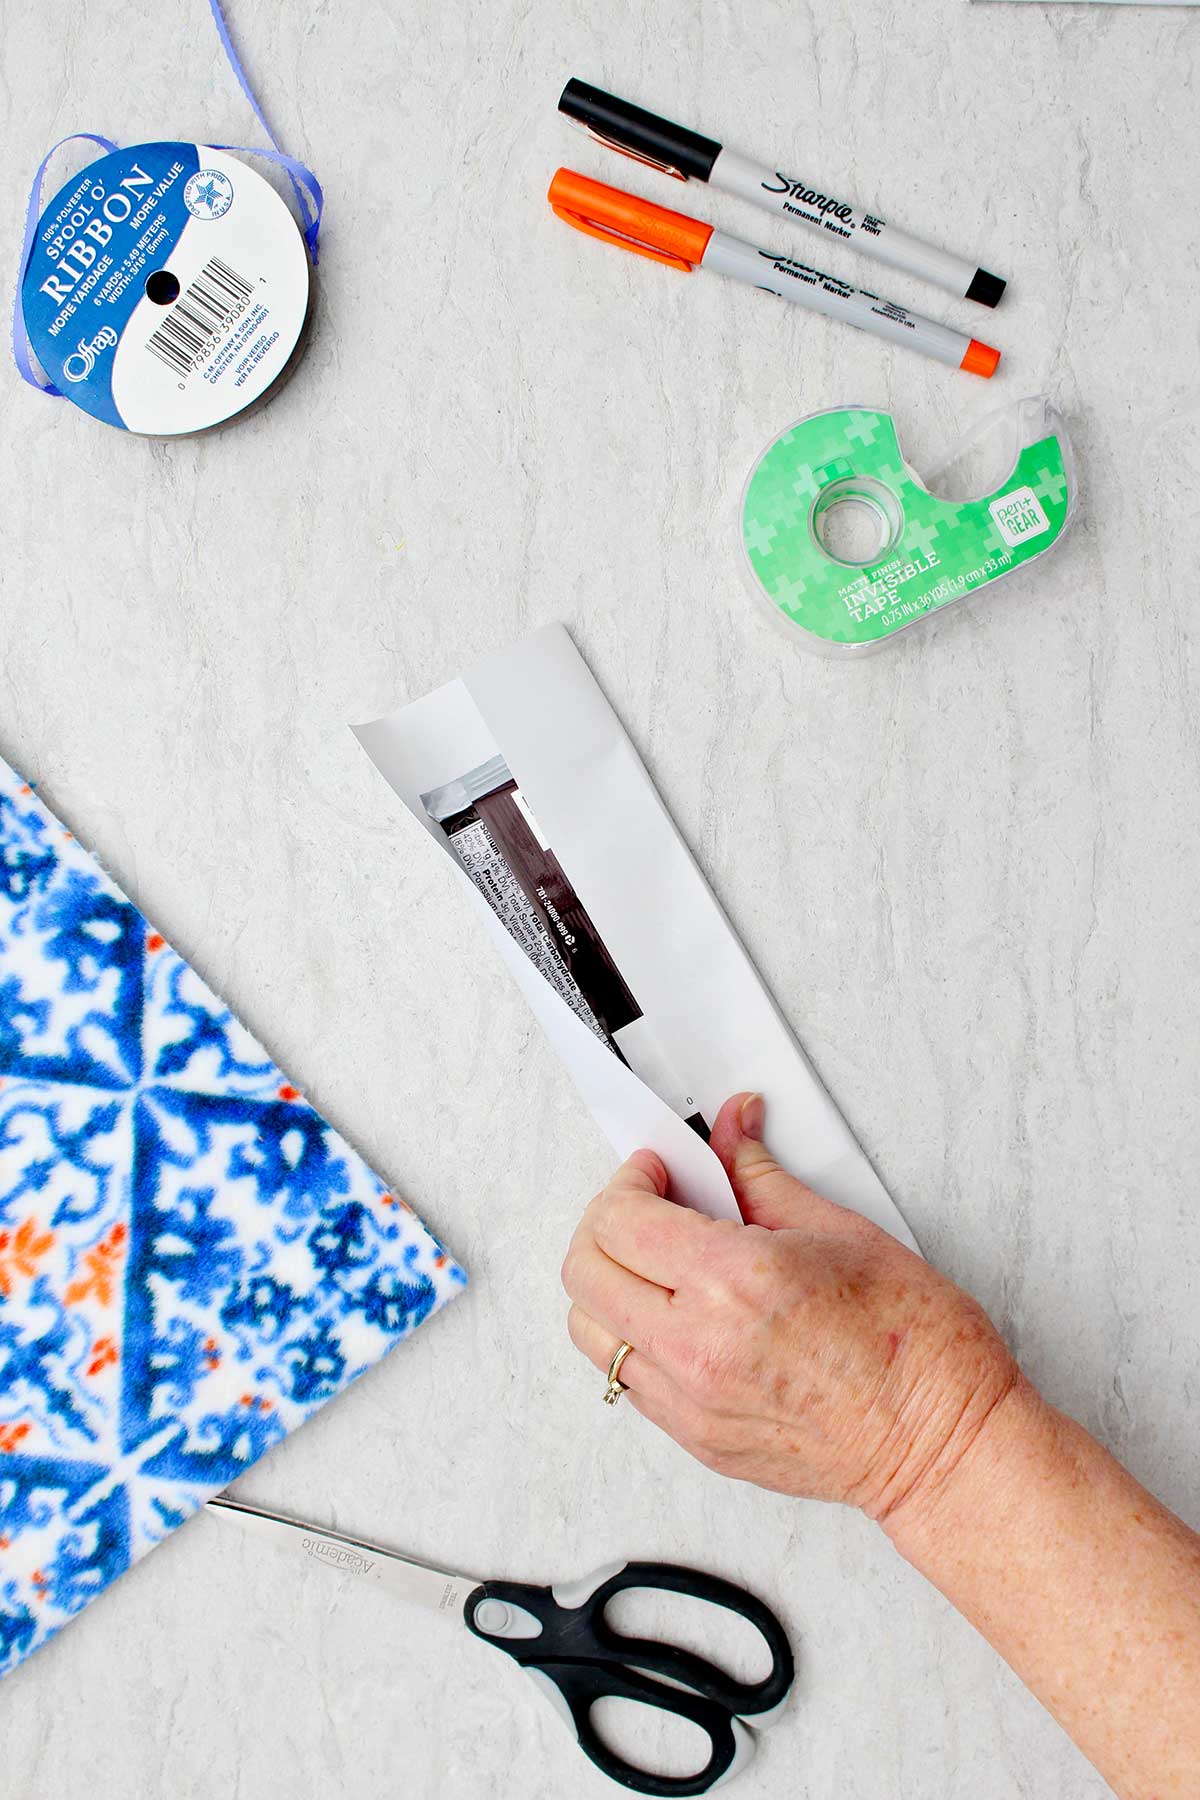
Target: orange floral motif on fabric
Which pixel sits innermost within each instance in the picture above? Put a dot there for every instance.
(20, 1252)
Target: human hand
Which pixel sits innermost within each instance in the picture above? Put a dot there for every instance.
(804, 1350)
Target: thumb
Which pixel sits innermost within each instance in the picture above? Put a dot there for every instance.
(642, 1173)
(766, 1194)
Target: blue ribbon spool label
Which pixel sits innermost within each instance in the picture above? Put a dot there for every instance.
(167, 288)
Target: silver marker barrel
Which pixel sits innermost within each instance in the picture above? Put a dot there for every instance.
(843, 221)
(822, 293)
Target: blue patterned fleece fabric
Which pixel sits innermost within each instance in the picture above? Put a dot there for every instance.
(191, 1260)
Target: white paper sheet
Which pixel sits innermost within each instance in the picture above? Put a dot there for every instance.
(538, 707)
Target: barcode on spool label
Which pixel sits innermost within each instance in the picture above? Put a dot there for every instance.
(198, 315)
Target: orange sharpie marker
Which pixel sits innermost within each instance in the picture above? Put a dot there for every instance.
(685, 243)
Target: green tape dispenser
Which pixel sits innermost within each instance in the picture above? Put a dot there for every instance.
(848, 547)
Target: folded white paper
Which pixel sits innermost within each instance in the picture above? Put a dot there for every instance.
(521, 773)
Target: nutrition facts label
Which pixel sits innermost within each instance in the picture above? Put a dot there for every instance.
(481, 858)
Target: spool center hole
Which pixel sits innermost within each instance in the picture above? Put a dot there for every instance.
(162, 287)
(853, 531)
(856, 520)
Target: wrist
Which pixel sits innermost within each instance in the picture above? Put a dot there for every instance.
(982, 1477)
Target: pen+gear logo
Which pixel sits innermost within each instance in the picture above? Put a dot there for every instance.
(208, 194)
(1018, 516)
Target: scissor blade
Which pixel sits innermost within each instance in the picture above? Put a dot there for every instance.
(442, 1590)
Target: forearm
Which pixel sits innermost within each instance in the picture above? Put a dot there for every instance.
(1084, 1583)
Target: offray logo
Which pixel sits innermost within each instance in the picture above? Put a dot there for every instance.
(79, 365)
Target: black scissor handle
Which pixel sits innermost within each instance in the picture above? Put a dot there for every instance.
(573, 1628)
(749, 1699)
(575, 1687)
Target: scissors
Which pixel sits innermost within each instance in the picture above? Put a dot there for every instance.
(560, 1637)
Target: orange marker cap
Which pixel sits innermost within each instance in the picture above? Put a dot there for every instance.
(980, 359)
(619, 218)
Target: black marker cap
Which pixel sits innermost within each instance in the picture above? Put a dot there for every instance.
(986, 288)
(641, 134)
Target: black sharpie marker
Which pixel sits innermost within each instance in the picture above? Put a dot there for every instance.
(686, 155)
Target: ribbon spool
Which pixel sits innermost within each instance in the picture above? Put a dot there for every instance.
(166, 288)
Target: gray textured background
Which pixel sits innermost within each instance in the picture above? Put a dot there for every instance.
(967, 868)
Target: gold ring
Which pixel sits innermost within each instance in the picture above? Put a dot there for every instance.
(616, 1388)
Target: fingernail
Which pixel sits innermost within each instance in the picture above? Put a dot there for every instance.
(753, 1113)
